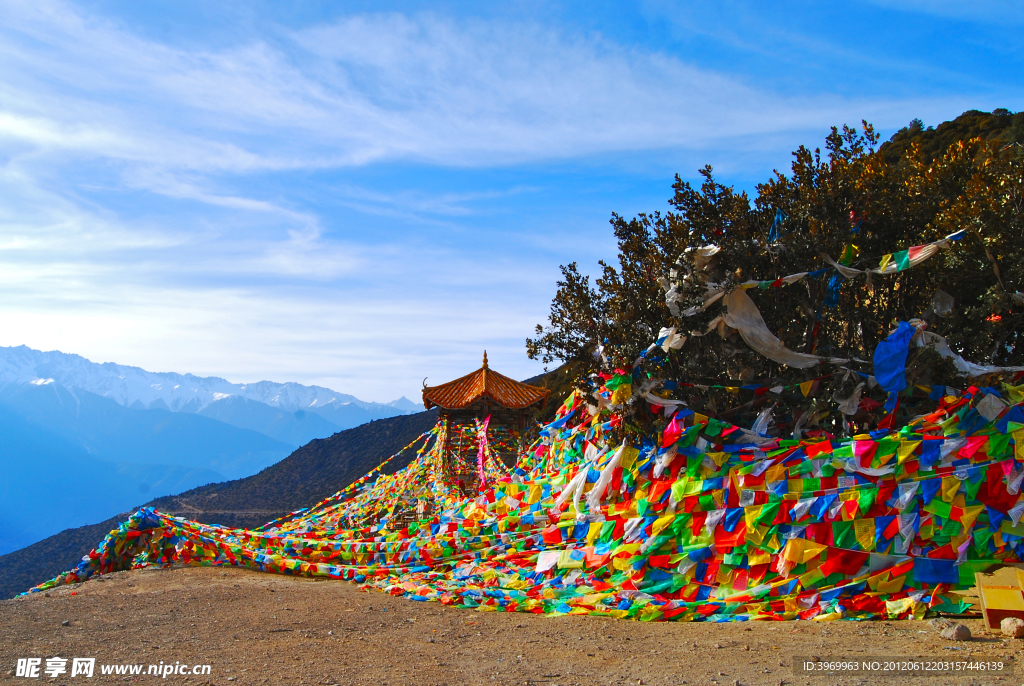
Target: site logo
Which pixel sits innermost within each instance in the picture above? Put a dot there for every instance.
(55, 666)
(32, 668)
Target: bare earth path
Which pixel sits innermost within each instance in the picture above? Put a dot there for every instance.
(257, 628)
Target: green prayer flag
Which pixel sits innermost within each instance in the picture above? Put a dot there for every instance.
(866, 499)
(902, 260)
(998, 446)
(842, 534)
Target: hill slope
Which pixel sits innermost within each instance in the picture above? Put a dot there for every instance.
(1000, 125)
(311, 473)
(305, 477)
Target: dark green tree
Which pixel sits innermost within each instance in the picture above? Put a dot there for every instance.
(853, 202)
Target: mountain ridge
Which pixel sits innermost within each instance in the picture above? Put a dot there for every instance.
(128, 385)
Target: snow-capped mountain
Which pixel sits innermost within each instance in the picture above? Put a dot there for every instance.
(406, 405)
(135, 387)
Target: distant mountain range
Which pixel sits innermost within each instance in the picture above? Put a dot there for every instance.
(80, 441)
(138, 389)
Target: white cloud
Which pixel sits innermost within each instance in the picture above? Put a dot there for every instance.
(376, 87)
(231, 268)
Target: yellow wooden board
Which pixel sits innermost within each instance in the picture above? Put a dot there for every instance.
(1002, 598)
(1000, 593)
(1003, 575)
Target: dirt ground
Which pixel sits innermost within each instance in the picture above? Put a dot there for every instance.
(254, 628)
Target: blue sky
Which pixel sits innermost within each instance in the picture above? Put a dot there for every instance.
(360, 195)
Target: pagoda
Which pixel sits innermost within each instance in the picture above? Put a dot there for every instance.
(483, 407)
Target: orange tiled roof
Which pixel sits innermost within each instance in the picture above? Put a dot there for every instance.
(483, 382)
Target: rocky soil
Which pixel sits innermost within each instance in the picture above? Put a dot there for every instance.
(255, 628)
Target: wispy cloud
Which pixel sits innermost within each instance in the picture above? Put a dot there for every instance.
(218, 208)
(421, 205)
(378, 87)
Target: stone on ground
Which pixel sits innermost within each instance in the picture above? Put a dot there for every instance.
(957, 632)
(1012, 627)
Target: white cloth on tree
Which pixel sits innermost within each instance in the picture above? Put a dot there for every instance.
(744, 316)
(668, 339)
(925, 339)
(849, 405)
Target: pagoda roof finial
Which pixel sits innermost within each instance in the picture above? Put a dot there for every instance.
(485, 360)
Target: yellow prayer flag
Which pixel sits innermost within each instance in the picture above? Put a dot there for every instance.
(864, 530)
(801, 550)
(719, 458)
(751, 514)
(629, 456)
(897, 607)
(661, 522)
(950, 485)
(874, 581)
(905, 450)
(957, 541)
(1016, 393)
(970, 514)
(622, 563)
(810, 578)
(565, 561)
(626, 548)
(806, 386)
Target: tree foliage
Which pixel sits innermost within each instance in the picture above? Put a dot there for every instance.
(853, 201)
